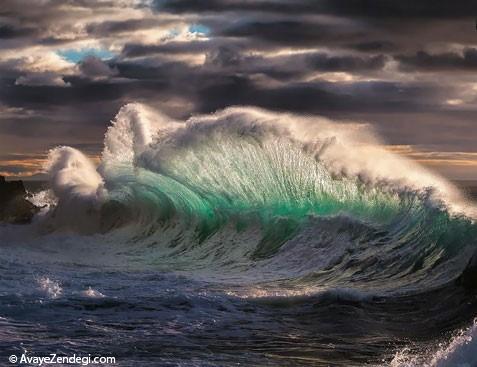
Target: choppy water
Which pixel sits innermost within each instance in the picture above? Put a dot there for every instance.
(242, 238)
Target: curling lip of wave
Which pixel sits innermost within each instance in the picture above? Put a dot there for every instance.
(143, 139)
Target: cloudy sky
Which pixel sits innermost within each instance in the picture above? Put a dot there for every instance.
(407, 67)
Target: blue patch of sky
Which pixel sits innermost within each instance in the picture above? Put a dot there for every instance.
(199, 28)
(76, 55)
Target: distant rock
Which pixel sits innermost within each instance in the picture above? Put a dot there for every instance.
(14, 207)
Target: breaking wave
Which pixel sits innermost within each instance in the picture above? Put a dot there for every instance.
(245, 160)
(296, 206)
(276, 183)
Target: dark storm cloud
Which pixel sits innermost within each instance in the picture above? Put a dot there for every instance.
(400, 9)
(379, 46)
(364, 25)
(321, 97)
(325, 62)
(295, 32)
(41, 79)
(392, 63)
(222, 58)
(94, 67)
(9, 31)
(218, 84)
(191, 6)
(46, 96)
(449, 61)
(364, 8)
(136, 50)
(289, 67)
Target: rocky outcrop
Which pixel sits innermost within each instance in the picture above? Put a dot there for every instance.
(14, 207)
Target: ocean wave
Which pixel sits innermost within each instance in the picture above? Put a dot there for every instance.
(239, 162)
(273, 197)
(274, 211)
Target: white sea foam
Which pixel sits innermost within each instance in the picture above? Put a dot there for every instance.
(131, 134)
(317, 293)
(460, 351)
(51, 288)
(43, 198)
(72, 174)
(92, 293)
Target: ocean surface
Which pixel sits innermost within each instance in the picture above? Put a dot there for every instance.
(242, 238)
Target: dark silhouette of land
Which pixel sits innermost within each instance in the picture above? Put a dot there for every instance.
(14, 206)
